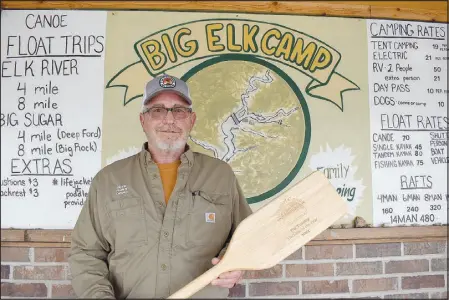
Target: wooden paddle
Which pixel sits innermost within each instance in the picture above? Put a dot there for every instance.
(276, 230)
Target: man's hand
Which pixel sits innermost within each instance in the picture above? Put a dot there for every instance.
(227, 279)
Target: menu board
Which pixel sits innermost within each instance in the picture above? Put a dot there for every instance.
(409, 123)
(276, 97)
(51, 114)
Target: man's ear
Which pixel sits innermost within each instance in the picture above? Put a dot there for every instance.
(192, 120)
(142, 119)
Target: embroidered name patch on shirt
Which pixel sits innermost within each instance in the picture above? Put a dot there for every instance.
(121, 190)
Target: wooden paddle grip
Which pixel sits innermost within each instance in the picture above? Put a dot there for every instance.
(198, 283)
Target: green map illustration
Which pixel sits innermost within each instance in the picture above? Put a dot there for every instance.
(249, 117)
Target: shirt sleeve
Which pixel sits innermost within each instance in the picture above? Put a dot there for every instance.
(89, 251)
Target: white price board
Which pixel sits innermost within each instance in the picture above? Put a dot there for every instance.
(407, 63)
(51, 103)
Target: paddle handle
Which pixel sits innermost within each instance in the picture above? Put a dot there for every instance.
(199, 282)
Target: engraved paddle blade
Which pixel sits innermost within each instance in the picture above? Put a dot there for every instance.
(277, 230)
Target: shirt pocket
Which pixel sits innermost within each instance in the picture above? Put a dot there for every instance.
(209, 219)
(129, 220)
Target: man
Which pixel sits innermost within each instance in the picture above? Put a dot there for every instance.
(155, 221)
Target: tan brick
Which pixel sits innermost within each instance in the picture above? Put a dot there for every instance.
(328, 252)
(274, 272)
(15, 254)
(39, 272)
(438, 295)
(378, 250)
(406, 266)
(48, 236)
(295, 255)
(5, 271)
(309, 270)
(325, 287)
(237, 292)
(359, 268)
(13, 235)
(274, 288)
(62, 291)
(423, 281)
(408, 296)
(51, 254)
(424, 248)
(439, 264)
(24, 289)
(374, 285)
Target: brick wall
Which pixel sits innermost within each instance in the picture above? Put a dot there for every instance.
(35, 272)
(399, 270)
(384, 271)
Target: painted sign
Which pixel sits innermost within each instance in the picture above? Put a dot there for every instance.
(276, 97)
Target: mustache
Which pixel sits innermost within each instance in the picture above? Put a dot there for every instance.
(169, 129)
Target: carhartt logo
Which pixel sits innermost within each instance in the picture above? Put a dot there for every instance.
(210, 217)
(121, 190)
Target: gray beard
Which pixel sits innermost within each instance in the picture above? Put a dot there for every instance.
(174, 146)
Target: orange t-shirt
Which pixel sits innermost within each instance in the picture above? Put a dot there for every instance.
(168, 174)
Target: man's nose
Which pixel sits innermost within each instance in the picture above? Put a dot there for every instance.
(169, 118)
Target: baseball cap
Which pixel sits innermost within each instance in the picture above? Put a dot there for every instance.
(164, 83)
